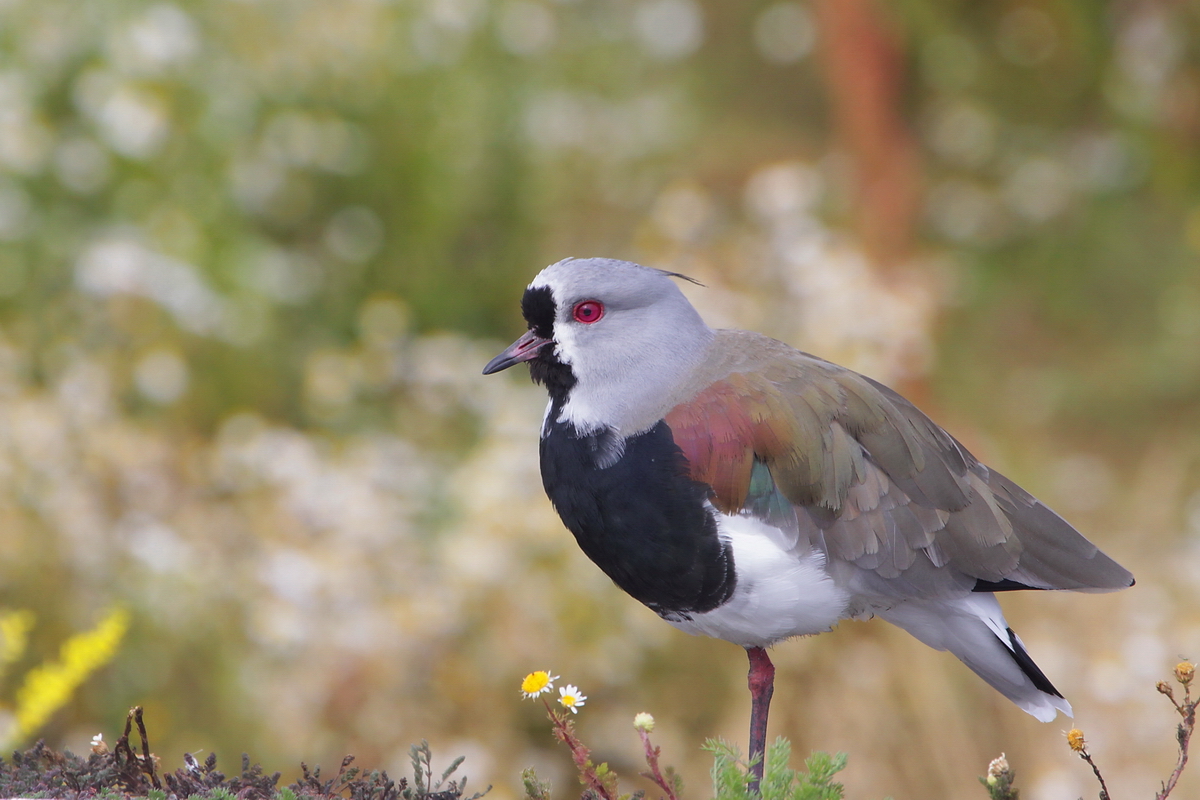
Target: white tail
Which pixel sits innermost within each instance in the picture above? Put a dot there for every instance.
(974, 629)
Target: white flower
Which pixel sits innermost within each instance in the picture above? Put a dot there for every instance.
(571, 698)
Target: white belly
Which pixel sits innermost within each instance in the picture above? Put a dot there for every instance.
(781, 592)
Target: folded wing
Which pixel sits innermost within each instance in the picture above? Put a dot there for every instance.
(901, 508)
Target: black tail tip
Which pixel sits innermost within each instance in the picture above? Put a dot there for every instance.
(1027, 666)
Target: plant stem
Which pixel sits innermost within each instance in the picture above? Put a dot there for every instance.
(655, 774)
(1086, 756)
(1187, 710)
(564, 731)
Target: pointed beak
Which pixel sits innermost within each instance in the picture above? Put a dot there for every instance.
(524, 349)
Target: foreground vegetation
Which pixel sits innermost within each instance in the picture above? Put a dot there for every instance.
(122, 772)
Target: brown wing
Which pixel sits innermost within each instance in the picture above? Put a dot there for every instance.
(888, 490)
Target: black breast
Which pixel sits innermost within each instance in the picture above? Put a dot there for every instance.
(642, 520)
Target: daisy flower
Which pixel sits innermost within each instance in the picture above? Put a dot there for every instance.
(536, 683)
(571, 698)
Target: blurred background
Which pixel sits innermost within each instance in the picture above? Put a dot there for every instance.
(254, 254)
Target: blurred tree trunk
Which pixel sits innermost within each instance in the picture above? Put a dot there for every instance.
(864, 66)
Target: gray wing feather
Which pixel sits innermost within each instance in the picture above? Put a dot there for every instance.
(900, 507)
(906, 503)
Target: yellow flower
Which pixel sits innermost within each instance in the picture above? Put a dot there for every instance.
(14, 635)
(536, 683)
(643, 722)
(1184, 672)
(571, 698)
(1075, 740)
(48, 687)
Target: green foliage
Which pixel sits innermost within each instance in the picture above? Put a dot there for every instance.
(535, 788)
(728, 774)
(1000, 778)
(1001, 789)
(217, 793)
(780, 781)
(423, 785)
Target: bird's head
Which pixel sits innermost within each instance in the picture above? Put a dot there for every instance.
(610, 340)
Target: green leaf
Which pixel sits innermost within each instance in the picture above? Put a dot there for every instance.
(780, 782)
(535, 788)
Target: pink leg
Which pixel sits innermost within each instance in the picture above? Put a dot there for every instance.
(762, 684)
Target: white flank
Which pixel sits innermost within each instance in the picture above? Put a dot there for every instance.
(780, 592)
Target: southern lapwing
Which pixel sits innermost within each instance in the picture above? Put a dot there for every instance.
(751, 492)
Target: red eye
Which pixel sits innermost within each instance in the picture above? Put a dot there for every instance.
(588, 311)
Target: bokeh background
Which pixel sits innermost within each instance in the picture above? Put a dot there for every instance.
(254, 254)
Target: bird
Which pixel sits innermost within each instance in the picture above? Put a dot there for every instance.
(751, 492)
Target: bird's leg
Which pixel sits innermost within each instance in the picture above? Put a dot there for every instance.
(762, 684)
